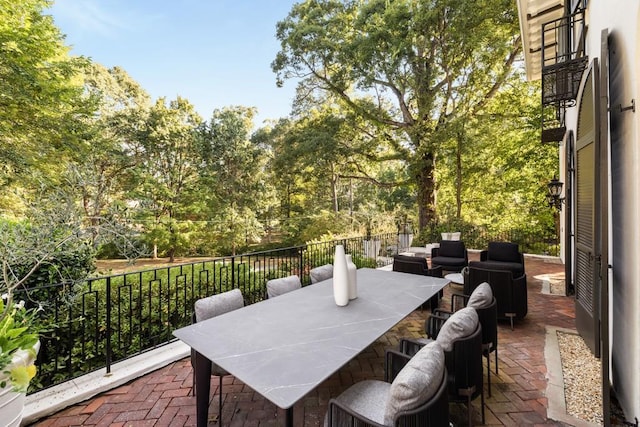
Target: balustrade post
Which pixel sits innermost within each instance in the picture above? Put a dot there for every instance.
(301, 265)
(108, 326)
(233, 272)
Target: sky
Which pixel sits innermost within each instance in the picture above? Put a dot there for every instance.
(215, 53)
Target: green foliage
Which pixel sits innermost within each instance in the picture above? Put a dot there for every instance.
(18, 332)
(323, 225)
(429, 64)
(40, 100)
(150, 305)
(168, 172)
(493, 170)
(440, 110)
(237, 189)
(102, 174)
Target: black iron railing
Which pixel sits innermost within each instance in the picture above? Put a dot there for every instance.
(100, 321)
(564, 60)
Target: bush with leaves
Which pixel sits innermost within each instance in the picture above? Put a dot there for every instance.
(49, 245)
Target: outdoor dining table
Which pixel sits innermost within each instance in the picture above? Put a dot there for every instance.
(286, 346)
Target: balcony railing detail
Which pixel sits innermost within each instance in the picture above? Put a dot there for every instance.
(97, 322)
(563, 63)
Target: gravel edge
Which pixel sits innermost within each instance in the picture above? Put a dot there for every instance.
(582, 378)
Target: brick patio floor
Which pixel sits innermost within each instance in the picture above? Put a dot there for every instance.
(163, 398)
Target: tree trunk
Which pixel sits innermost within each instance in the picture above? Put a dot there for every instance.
(334, 191)
(426, 191)
(173, 238)
(351, 199)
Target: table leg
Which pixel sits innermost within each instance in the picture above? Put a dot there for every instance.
(289, 418)
(203, 388)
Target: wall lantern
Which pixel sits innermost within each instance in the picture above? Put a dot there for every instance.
(555, 190)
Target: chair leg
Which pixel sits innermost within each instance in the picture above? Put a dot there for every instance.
(510, 316)
(220, 402)
(489, 371)
(496, 360)
(482, 404)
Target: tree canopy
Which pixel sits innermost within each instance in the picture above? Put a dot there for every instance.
(405, 110)
(411, 67)
(40, 96)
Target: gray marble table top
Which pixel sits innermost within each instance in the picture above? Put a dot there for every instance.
(285, 346)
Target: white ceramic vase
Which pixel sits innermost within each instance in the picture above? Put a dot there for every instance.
(353, 278)
(11, 402)
(340, 277)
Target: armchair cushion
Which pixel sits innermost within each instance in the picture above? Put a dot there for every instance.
(321, 273)
(516, 268)
(366, 398)
(451, 248)
(503, 251)
(449, 261)
(461, 324)
(481, 297)
(417, 382)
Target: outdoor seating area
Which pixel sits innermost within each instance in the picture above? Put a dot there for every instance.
(165, 396)
(428, 224)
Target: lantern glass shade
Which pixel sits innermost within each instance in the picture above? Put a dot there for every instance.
(555, 187)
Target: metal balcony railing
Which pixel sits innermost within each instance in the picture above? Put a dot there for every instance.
(563, 63)
(563, 58)
(94, 323)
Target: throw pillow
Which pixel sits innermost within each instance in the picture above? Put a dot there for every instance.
(481, 297)
(461, 324)
(417, 382)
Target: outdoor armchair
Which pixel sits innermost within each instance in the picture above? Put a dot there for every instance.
(418, 265)
(502, 256)
(206, 308)
(451, 255)
(510, 292)
(414, 393)
(482, 300)
(460, 336)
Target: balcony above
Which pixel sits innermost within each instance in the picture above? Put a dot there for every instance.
(532, 14)
(563, 59)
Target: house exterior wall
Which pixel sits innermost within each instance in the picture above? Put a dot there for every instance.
(621, 18)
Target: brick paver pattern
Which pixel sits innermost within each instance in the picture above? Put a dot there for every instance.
(164, 397)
